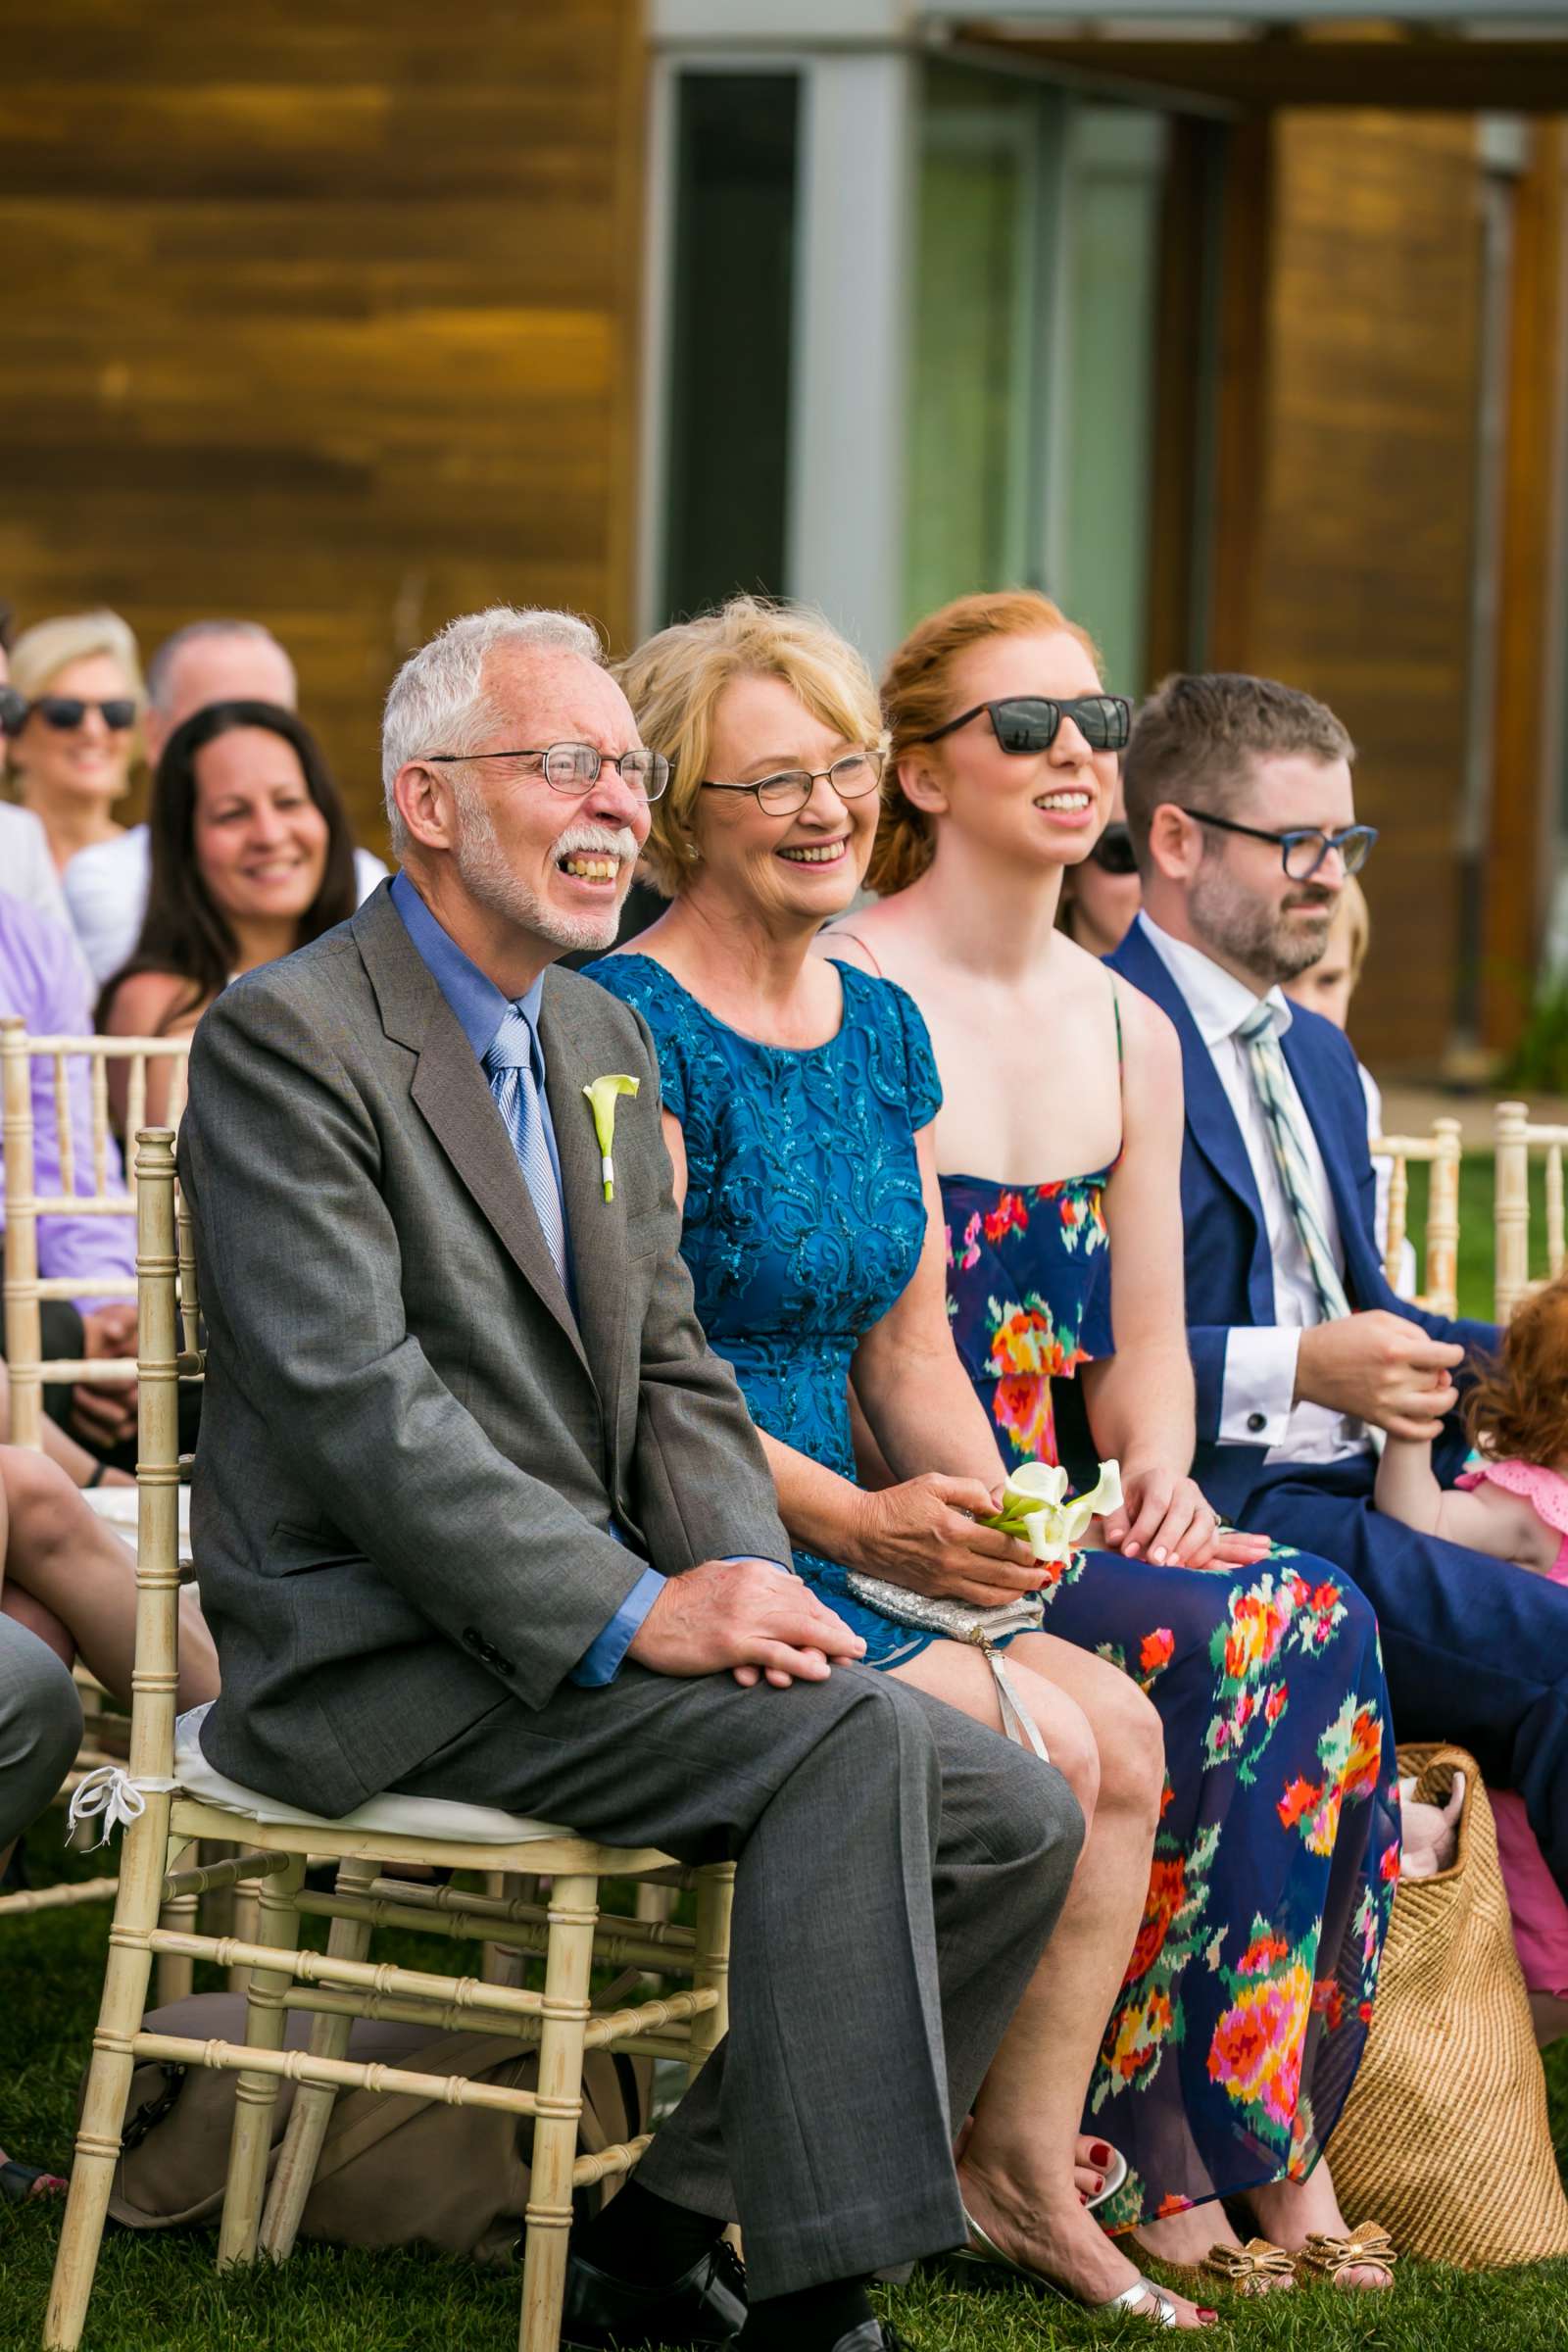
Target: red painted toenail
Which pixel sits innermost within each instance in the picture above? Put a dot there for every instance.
(1100, 2151)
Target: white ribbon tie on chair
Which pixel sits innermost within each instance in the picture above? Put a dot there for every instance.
(110, 1797)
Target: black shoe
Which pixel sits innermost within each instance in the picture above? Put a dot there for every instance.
(705, 2305)
(873, 2336)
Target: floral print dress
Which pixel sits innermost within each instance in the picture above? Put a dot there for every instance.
(1241, 2021)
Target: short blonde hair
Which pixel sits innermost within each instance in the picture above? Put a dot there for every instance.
(42, 652)
(674, 684)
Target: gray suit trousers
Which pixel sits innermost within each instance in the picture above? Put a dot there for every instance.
(40, 1726)
(899, 1871)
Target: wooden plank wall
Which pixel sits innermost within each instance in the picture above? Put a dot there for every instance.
(1355, 558)
(320, 314)
(1370, 510)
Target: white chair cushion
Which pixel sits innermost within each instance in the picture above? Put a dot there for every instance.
(432, 1816)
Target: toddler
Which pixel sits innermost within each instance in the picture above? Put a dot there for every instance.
(1513, 1506)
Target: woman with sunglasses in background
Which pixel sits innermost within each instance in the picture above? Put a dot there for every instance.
(251, 857)
(1102, 894)
(1237, 2031)
(71, 750)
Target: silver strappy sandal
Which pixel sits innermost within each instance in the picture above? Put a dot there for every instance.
(1142, 2298)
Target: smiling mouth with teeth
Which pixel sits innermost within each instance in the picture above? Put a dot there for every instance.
(591, 870)
(826, 852)
(1067, 801)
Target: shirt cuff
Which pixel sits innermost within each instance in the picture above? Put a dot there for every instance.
(1258, 1389)
(600, 1662)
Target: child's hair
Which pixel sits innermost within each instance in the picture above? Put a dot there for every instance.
(1518, 1408)
(1358, 925)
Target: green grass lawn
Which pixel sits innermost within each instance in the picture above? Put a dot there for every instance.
(162, 2294)
(1477, 1272)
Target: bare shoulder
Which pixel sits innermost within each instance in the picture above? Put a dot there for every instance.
(153, 1005)
(845, 947)
(1149, 1034)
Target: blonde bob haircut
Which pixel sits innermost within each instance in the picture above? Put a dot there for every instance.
(42, 652)
(675, 682)
(917, 697)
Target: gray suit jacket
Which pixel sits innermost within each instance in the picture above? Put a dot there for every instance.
(410, 1448)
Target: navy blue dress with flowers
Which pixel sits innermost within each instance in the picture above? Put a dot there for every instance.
(1244, 2011)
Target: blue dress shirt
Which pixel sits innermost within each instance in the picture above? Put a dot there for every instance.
(480, 1007)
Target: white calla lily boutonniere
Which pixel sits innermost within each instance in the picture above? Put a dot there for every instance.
(602, 1095)
(1036, 1509)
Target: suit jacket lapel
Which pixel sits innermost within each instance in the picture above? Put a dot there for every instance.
(1209, 1116)
(597, 1227)
(451, 1091)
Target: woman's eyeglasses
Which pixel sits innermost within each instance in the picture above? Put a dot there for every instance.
(856, 773)
(13, 711)
(1028, 722)
(63, 712)
(576, 768)
(1113, 852)
(1302, 847)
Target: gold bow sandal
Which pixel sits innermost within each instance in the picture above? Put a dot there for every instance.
(1370, 2247)
(1142, 2298)
(1258, 2267)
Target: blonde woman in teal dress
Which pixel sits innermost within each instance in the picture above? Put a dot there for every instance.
(1241, 2018)
(798, 1096)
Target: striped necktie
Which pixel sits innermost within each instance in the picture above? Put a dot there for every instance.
(1277, 1099)
(509, 1064)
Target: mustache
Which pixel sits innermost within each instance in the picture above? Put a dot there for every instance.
(598, 841)
(1321, 899)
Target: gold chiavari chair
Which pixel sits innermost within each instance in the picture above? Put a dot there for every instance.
(1516, 1139)
(1442, 1152)
(89, 1186)
(172, 1798)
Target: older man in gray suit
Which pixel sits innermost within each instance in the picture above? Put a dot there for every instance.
(480, 1516)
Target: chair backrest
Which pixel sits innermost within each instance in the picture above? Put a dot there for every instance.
(167, 1316)
(1516, 1138)
(1441, 1151)
(88, 1161)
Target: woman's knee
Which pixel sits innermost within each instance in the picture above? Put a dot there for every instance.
(1069, 1734)
(40, 1499)
(1131, 1740)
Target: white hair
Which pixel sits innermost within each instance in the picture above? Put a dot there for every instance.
(437, 700)
(161, 669)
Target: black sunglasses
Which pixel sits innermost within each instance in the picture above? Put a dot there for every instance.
(66, 711)
(1028, 722)
(1113, 852)
(13, 711)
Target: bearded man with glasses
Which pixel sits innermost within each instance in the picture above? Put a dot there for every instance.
(1241, 806)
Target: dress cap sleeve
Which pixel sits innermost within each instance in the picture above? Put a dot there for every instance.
(644, 984)
(1545, 1491)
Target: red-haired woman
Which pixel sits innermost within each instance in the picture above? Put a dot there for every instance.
(1513, 1508)
(1239, 2026)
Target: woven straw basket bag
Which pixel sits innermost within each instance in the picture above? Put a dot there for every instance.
(1444, 2135)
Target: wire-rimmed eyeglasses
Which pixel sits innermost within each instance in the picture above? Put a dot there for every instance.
(1302, 847)
(856, 773)
(576, 768)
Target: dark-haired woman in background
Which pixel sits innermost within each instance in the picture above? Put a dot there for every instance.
(251, 857)
(1101, 896)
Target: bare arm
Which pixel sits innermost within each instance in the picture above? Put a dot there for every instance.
(1481, 1518)
(920, 1407)
(1141, 1399)
(146, 1006)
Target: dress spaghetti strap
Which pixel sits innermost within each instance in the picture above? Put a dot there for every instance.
(881, 974)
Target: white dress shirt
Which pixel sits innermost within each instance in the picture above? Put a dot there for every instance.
(1260, 1359)
(106, 892)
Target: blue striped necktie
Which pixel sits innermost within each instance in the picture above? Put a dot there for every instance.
(1276, 1098)
(508, 1065)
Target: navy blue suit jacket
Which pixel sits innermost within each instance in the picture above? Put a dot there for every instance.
(1229, 1277)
